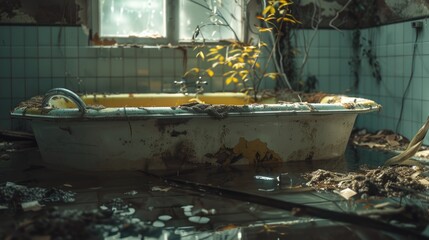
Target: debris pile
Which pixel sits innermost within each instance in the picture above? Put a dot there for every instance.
(16, 197)
(34, 102)
(383, 139)
(76, 224)
(391, 181)
(215, 111)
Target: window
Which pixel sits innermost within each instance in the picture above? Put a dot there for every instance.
(138, 18)
(168, 21)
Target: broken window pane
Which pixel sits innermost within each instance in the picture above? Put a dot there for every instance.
(138, 18)
(210, 20)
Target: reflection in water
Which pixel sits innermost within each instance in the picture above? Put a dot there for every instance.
(189, 214)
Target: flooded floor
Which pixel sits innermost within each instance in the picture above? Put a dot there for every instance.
(267, 202)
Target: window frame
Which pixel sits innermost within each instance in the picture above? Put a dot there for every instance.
(172, 27)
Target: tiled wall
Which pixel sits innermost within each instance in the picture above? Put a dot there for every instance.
(393, 48)
(35, 59)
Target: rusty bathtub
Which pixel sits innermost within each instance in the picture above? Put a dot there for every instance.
(173, 131)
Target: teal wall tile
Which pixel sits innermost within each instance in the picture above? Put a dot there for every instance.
(45, 68)
(117, 84)
(44, 36)
(5, 107)
(5, 68)
(45, 84)
(58, 67)
(130, 85)
(89, 85)
(18, 68)
(87, 52)
(17, 36)
(5, 90)
(5, 52)
(71, 51)
(5, 36)
(31, 52)
(155, 67)
(58, 82)
(58, 36)
(32, 87)
(31, 68)
(44, 52)
(103, 85)
(31, 36)
(71, 67)
(130, 52)
(17, 52)
(71, 36)
(58, 52)
(103, 67)
(142, 85)
(18, 88)
(87, 67)
(116, 67)
(83, 38)
(130, 69)
(116, 52)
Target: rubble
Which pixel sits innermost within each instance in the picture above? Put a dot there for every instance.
(392, 181)
(14, 196)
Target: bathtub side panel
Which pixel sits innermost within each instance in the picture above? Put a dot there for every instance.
(175, 143)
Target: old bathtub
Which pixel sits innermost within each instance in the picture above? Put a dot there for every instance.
(174, 131)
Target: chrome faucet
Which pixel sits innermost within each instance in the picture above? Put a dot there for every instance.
(198, 85)
(183, 88)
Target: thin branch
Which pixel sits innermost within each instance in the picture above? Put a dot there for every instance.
(337, 15)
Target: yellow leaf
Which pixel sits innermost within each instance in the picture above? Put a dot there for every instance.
(219, 47)
(270, 9)
(200, 54)
(232, 73)
(231, 79)
(215, 64)
(271, 75)
(210, 72)
(197, 70)
(238, 65)
(262, 29)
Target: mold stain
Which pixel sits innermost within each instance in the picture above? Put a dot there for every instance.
(162, 124)
(183, 152)
(255, 152)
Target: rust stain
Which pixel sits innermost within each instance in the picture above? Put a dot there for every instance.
(96, 40)
(255, 151)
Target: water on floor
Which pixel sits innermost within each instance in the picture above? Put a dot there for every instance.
(266, 202)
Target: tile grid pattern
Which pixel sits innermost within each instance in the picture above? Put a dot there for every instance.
(392, 46)
(34, 59)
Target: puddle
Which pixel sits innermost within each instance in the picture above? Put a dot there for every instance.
(129, 205)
